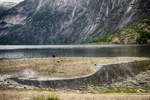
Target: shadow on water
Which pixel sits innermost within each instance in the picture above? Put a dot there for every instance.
(10, 52)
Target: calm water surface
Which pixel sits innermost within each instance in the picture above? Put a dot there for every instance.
(14, 52)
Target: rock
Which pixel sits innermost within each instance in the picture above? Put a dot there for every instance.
(125, 41)
(148, 29)
(27, 99)
(140, 91)
(11, 86)
(115, 40)
(148, 41)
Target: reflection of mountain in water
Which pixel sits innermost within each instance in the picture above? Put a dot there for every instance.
(10, 52)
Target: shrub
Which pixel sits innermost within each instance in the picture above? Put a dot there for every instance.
(148, 67)
(51, 97)
(144, 36)
(104, 38)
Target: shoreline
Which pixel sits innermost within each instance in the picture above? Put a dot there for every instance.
(118, 90)
(74, 73)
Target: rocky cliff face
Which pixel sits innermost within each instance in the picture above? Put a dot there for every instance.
(5, 6)
(67, 21)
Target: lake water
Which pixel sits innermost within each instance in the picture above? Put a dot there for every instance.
(15, 52)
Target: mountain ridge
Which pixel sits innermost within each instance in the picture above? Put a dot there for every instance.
(67, 21)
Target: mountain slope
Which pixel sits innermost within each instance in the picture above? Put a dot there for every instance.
(136, 33)
(5, 6)
(67, 21)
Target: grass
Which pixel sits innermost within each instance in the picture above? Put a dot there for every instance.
(125, 90)
(42, 97)
(119, 90)
(71, 95)
(46, 89)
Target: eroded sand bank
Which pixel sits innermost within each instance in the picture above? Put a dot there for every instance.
(62, 67)
(74, 72)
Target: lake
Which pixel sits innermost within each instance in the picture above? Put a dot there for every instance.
(40, 51)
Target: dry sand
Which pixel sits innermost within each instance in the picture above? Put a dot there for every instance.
(64, 67)
(65, 95)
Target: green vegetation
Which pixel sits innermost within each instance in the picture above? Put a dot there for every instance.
(141, 66)
(144, 36)
(85, 86)
(148, 67)
(45, 89)
(120, 90)
(51, 97)
(137, 32)
(125, 90)
(101, 39)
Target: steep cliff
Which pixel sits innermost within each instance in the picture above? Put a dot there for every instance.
(67, 21)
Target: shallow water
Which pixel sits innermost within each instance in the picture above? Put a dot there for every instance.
(39, 51)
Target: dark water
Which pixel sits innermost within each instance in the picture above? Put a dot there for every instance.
(11, 52)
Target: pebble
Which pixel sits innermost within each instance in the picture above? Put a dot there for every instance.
(140, 90)
(27, 99)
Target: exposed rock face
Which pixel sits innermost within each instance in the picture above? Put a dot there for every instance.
(5, 5)
(2, 10)
(67, 21)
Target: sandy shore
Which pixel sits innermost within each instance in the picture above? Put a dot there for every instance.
(64, 67)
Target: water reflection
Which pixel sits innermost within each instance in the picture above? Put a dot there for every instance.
(7, 52)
